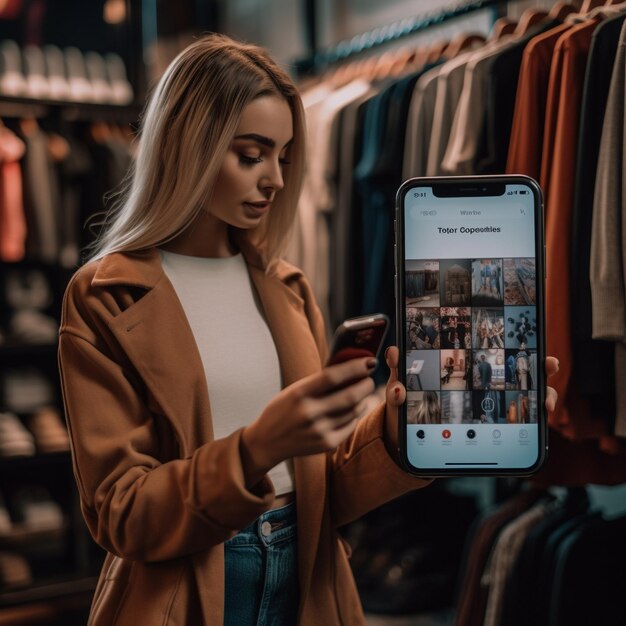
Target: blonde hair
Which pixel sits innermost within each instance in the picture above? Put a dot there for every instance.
(428, 410)
(185, 132)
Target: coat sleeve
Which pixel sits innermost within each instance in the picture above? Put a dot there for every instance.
(137, 503)
(362, 474)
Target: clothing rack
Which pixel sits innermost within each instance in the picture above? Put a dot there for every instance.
(387, 34)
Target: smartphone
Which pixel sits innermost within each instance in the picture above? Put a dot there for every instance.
(470, 273)
(358, 337)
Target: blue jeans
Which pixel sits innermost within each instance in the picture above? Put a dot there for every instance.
(262, 572)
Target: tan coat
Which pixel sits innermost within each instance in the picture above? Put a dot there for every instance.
(157, 492)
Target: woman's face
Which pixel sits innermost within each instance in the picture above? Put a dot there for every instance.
(252, 172)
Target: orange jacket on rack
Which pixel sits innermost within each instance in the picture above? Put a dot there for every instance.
(157, 492)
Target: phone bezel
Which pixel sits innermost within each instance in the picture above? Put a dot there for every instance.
(358, 323)
(472, 186)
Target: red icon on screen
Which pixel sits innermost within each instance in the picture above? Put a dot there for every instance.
(446, 434)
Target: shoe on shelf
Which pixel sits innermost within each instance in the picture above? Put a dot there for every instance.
(33, 327)
(26, 389)
(76, 72)
(27, 289)
(6, 524)
(15, 440)
(97, 75)
(116, 70)
(12, 80)
(14, 571)
(55, 69)
(34, 509)
(36, 80)
(49, 431)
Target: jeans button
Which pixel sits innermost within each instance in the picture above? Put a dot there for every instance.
(266, 529)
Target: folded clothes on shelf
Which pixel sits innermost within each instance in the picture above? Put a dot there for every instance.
(26, 389)
(27, 289)
(14, 571)
(34, 509)
(33, 327)
(15, 439)
(49, 430)
(5, 519)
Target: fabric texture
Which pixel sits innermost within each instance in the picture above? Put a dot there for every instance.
(157, 491)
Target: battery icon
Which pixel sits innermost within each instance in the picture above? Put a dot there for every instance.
(523, 191)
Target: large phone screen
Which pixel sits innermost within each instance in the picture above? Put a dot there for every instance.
(471, 320)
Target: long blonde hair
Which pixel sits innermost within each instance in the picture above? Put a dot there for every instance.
(185, 132)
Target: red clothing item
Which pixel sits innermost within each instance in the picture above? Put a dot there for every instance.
(12, 220)
(573, 415)
(526, 141)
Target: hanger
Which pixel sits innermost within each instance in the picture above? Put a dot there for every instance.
(587, 5)
(436, 51)
(529, 18)
(502, 26)
(560, 10)
(463, 41)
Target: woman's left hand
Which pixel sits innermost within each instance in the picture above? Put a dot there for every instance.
(395, 395)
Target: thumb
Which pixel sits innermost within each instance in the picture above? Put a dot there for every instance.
(395, 394)
(395, 391)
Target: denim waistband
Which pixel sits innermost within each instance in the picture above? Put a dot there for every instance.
(270, 528)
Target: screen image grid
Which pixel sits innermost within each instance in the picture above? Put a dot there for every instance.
(471, 341)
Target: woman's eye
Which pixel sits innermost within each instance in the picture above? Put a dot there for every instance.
(284, 162)
(247, 160)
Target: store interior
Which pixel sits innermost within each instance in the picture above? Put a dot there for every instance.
(74, 78)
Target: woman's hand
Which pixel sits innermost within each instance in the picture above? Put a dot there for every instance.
(312, 415)
(396, 395)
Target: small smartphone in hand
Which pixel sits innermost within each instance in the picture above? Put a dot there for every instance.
(358, 337)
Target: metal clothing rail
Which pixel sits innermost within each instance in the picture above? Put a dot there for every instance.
(388, 33)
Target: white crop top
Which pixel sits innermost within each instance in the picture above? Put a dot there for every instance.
(237, 350)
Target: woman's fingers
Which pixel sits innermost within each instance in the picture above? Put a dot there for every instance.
(335, 376)
(551, 398)
(552, 366)
(343, 400)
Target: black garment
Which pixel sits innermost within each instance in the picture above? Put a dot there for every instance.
(517, 611)
(344, 247)
(493, 148)
(593, 360)
(590, 574)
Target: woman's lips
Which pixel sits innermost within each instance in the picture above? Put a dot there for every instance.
(257, 208)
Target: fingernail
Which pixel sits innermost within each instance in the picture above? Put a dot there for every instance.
(387, 352)
(372, 363)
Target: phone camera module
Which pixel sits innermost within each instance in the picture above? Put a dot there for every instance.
(471, 433)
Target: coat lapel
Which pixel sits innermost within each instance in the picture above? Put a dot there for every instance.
(156, 336)
(299, 357)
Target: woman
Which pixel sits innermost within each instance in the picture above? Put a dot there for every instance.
(202, 420)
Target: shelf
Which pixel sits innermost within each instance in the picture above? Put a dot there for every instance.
(51, 590)
(30, 350)
(73, 111)
(15, 463)
(22, 534)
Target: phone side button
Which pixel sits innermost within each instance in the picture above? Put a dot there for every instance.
(395, 286)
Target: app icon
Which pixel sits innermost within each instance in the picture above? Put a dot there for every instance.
(420, 434)
(471, 433)
(446, 434)
(523, 434)
(496, 434)
(487, 404)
